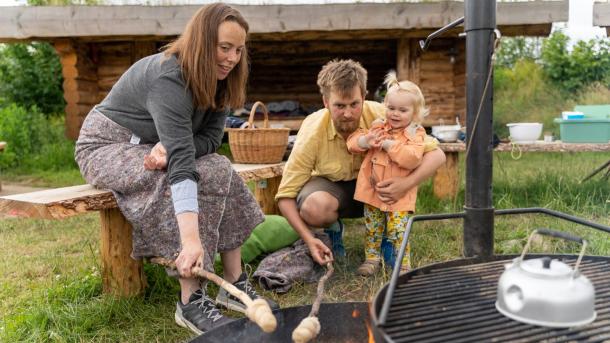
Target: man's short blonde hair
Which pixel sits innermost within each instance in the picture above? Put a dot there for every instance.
(342, 76)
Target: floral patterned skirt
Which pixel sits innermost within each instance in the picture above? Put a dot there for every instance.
(227, 210)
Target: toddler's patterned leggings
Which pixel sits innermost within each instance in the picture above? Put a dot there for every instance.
(392, 225)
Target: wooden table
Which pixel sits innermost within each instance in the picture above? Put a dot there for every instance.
(446, 181)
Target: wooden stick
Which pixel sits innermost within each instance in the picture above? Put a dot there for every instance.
(315, 308)
(309, 327)
(257, 310)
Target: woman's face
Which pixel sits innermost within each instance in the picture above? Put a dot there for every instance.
(231, 43)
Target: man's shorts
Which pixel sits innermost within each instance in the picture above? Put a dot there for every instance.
(342, 190)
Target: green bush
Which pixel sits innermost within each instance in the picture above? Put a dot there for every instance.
(587, 63)
(30, 75)
(35, 142)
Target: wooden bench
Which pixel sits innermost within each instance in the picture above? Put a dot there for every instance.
(446, 180)
(121, 274)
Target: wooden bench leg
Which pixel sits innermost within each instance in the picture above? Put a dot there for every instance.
(122, 275)
(265, 192)
(446, 180)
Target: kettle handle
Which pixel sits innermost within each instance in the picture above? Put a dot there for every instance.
(557, 234)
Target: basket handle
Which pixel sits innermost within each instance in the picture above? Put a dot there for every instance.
(253, 111)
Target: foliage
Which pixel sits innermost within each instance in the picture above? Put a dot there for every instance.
(588, 62)
(30, 75)
(523, 94)
(514, 49)
(35, 142)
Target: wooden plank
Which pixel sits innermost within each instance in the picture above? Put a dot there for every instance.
(446, 179)
(540, 146)
(89, 21)
(601, 14)
(66, 202)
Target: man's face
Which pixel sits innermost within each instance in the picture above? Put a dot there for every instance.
(345, 110)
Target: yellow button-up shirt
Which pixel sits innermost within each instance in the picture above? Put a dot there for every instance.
(320, 151)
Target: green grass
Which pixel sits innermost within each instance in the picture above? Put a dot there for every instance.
(51, 288)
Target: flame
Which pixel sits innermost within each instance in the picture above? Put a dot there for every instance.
(355, 313)
(370, 333)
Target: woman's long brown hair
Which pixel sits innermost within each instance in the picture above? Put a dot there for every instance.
(196, 53)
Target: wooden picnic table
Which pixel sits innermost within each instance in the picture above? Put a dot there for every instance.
(446, 180)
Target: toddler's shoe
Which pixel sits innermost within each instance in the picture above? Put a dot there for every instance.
(369, 267)
(335, 233)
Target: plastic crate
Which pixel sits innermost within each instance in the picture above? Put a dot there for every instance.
(587, 130)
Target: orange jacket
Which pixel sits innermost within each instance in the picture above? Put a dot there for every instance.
(379, 165)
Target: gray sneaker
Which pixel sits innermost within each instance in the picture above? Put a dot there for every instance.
(200, 314)
(226, 300)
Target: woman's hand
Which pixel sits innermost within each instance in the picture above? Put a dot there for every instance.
(157, 159)
(190, 256)
(319, 251)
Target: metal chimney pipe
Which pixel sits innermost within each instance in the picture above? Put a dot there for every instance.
(480, 22)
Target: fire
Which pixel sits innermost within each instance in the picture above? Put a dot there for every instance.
(355, 313)
(368, 330)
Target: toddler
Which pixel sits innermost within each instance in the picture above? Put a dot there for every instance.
(393, 147)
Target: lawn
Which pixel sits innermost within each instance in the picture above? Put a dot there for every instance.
(50, 286)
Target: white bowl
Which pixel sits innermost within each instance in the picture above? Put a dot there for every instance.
(524, 133)
(439, 128)
(447, 136)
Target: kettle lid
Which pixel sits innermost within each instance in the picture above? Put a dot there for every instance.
(546, 267)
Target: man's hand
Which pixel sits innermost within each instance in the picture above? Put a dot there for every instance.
(157, 159)
(391, 190)
(319, 251)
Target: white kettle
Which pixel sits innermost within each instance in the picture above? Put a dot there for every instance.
(546, 292)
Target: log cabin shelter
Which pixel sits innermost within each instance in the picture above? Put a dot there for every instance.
(288, 44)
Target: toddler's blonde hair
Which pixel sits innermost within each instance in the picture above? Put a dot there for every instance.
(393, 85)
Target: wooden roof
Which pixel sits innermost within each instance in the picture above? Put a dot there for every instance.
(42, 22)
(601, 15)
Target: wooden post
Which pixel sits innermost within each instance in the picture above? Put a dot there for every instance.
(446, 180)
(264, 193)
(121, 274)
(80, 83)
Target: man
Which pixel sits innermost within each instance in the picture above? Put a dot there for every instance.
(319, 179)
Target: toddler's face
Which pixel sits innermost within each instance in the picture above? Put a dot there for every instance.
(400, 109)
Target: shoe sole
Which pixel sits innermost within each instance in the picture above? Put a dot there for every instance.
(185, 323)
(231, 305)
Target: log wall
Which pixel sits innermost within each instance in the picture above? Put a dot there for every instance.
(280, 70)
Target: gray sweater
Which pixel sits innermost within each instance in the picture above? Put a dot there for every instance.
(151, 100)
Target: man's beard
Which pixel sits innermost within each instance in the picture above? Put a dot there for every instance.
(346, 127)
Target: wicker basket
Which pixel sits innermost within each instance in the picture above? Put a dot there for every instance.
(258, 145)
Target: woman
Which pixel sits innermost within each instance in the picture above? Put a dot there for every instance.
(152, 141)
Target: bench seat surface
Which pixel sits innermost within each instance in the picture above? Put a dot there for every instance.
(65, 202)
